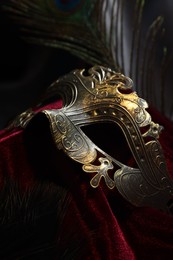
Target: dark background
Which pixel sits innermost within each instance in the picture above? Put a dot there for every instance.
(26, 70)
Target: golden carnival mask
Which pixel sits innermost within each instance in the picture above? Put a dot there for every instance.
(102, 95)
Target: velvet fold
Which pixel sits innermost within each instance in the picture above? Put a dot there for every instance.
(110, 226)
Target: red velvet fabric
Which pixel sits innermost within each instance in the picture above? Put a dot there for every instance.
(112, 227)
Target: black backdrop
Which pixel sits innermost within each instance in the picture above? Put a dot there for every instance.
(26, 70)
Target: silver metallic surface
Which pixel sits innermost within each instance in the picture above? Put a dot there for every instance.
(101, 95)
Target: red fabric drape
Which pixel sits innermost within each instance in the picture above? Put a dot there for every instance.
(112, 227)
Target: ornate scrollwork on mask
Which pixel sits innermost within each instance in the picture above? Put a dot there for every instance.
(102, 95)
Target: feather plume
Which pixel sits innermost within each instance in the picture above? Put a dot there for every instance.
(33, 223)
(106, 32)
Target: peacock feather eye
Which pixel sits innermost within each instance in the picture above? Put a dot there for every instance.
(68, 5)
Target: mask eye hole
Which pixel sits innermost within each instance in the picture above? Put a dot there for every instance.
(110, 138)
(125, 90)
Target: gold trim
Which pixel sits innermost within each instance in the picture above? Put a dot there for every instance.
(102, 95)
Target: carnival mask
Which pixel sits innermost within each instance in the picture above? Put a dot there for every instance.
(104, 96)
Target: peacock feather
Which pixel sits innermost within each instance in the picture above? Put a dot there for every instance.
(33, 223)
(106, 32)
